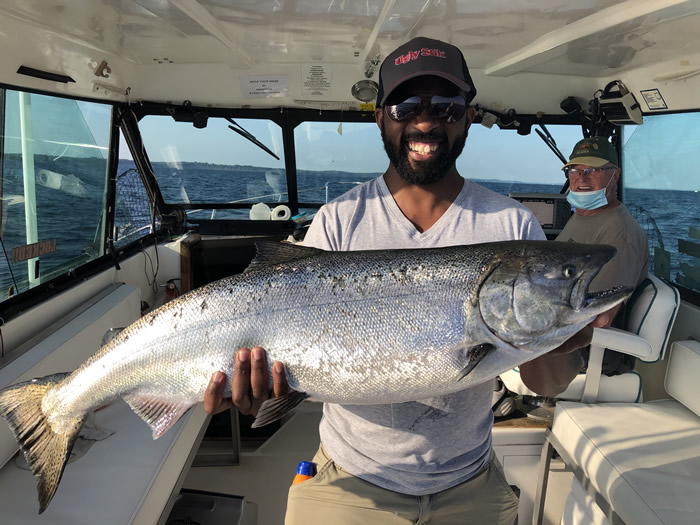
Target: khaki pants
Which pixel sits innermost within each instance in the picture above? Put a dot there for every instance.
(335, 497)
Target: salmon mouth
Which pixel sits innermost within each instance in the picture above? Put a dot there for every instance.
(581, 299)
(605, 296)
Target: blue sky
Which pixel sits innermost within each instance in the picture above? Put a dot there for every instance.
(662, 153)
(489, 153)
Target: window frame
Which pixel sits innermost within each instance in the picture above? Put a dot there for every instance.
(125, 117)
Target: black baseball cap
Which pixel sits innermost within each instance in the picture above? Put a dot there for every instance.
(424, 56)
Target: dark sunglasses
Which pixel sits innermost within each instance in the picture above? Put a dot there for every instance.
(450, 108)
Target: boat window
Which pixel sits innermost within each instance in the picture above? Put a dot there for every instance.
(332, 157)
(214, 165)
(55, 154)
(506, 162)
(133, 212)
(662, 188)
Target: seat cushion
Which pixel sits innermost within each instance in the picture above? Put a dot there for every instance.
(644, 459)
(623, 388)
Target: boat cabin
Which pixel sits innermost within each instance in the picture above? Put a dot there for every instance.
(145, 146)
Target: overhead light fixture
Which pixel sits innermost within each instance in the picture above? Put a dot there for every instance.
(365, 91)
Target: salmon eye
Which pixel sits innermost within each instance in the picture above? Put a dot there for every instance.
(569, 271)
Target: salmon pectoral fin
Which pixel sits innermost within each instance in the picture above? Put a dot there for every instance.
(474, 355)
(160, 414)
(46, 451)
(276, 407)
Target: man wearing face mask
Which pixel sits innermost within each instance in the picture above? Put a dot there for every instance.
(600, 218)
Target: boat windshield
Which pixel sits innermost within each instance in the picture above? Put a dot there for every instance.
(56, 158)
(53, 184)
(214, 165)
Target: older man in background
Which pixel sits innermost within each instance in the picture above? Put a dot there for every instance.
(600, 218)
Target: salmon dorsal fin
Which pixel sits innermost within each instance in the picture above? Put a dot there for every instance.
(272, 252)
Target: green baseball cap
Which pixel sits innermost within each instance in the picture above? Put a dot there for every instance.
(593, 151)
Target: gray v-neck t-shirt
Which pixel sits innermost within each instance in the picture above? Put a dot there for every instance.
(426, 446)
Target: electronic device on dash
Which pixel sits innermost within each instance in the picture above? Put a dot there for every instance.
(551, 209)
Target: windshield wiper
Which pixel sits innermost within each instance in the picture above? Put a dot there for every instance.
(549, 140)
(247, 135)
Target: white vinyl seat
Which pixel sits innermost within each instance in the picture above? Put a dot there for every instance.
(634, 463)
(651, 312)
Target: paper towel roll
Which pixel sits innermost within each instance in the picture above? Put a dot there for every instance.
(49, 179)
(260, 212)
(66, 183)
(281, 213)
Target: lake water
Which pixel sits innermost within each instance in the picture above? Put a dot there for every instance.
(665, 215)
(73, 218)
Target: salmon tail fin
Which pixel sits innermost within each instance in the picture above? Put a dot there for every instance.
(45, 450)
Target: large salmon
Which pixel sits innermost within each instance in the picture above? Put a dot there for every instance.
(359, 327)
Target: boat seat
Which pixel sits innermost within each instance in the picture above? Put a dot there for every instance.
(651, 312)
(634, 463)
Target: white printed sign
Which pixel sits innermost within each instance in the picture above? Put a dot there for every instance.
(273, 86)
(654, 99)
(316, 80)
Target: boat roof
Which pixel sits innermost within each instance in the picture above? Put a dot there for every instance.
(528, 56)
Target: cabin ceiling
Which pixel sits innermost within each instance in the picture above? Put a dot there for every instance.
(173, 50)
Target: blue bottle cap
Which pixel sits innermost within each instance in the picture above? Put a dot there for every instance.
(307, 468)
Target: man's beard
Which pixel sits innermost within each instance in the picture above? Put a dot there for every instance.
(425, 172)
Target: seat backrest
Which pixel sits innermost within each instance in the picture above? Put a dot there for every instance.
(683, 372)
(651, 312)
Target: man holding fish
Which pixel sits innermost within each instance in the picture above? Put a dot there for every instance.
(427, 461)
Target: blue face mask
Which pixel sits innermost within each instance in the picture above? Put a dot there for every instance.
(588, 200)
